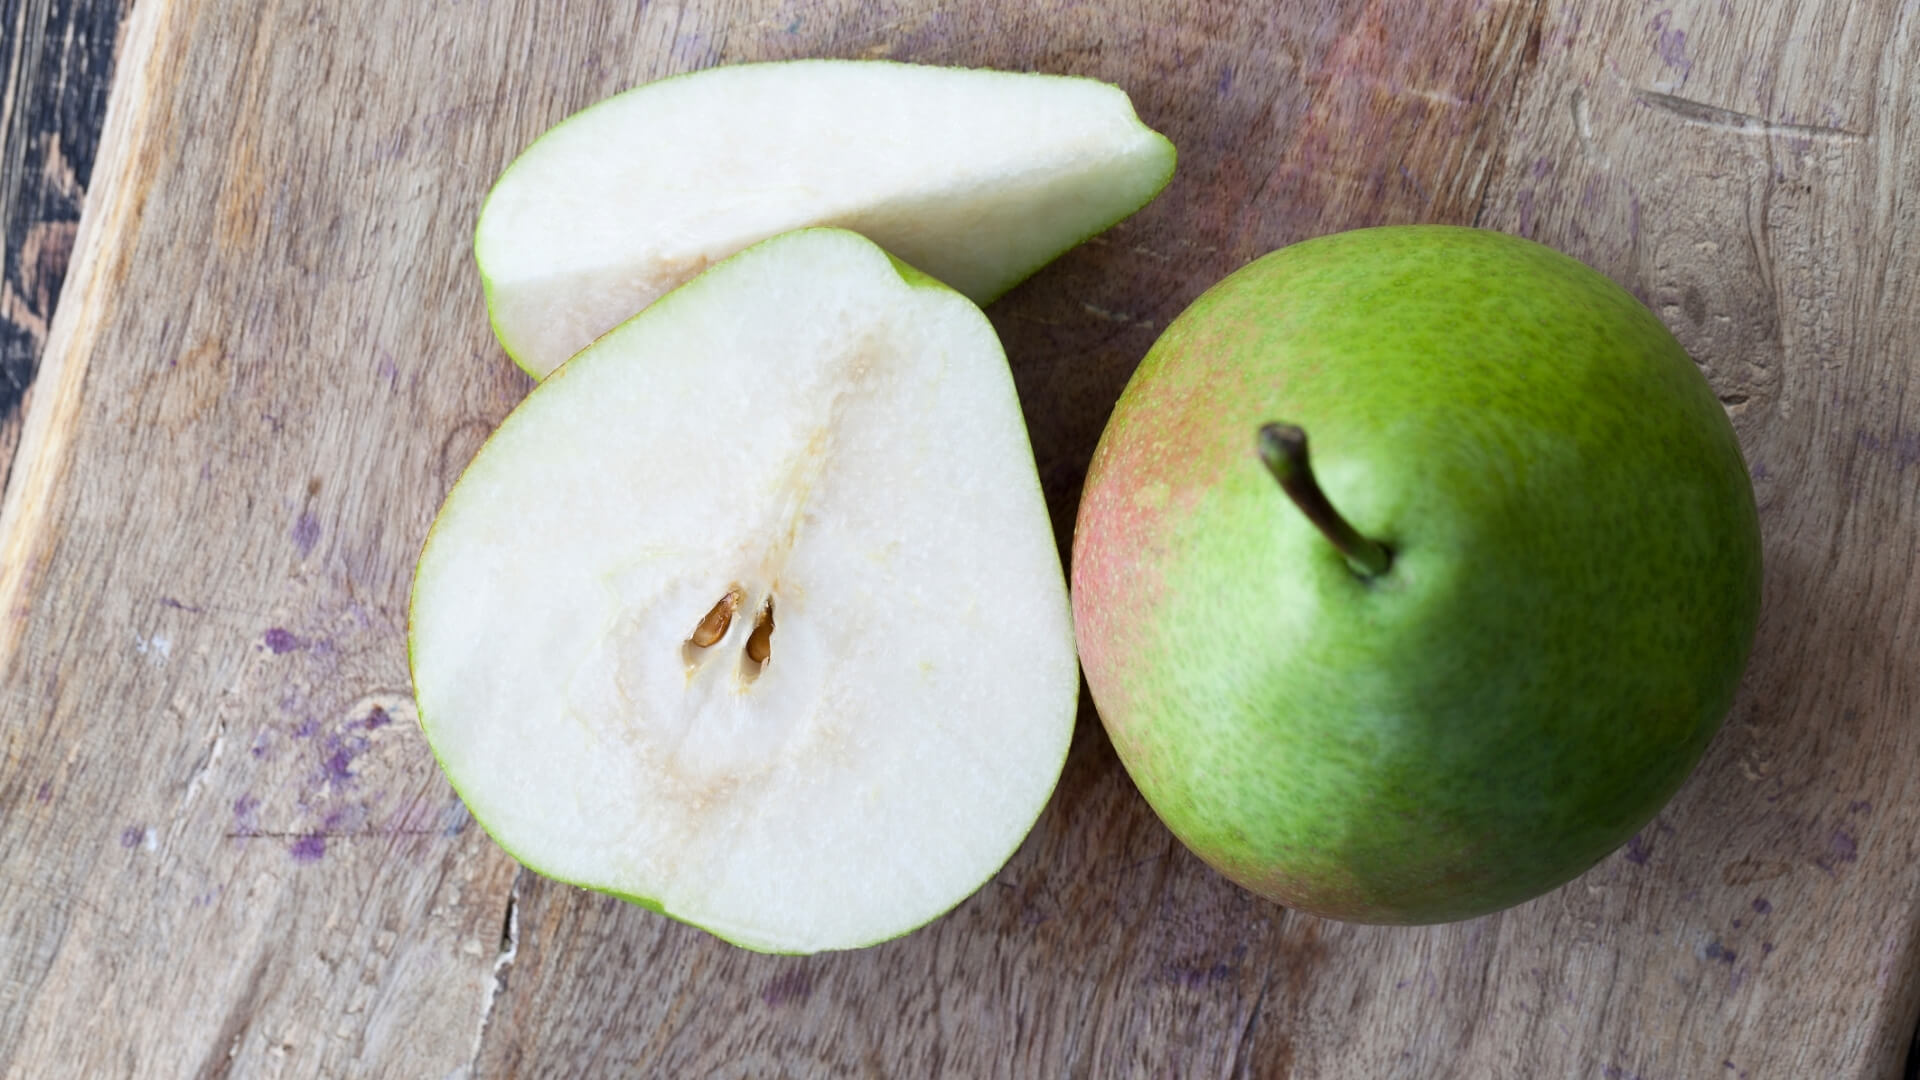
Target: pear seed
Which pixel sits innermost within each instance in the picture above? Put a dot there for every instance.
(714, 626)
(760, 643)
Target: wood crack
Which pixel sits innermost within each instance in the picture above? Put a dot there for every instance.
(1713, 116)
(509, 950)
(1243, 1050)
(232, 1034)
(1529, 57)
(308, 834)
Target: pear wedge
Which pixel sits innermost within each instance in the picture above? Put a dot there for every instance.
(976, 177)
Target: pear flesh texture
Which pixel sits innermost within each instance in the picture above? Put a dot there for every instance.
(978, 178)
(752, 613)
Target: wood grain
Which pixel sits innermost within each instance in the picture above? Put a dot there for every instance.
(227, 852)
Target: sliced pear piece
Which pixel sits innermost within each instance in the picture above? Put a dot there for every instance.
(752, 613)
(976, 177)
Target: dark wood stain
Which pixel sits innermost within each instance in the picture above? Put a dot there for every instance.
(59, 63)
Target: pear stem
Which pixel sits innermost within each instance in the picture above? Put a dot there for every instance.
(1283, 447)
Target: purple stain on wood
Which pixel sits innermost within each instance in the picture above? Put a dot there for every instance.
(1905, 449)
(1194, 976)
(377, 717)
(339, 762)
(1638, 850)
(309, 848)
(1225, 85)
(340, 767)
(1841, 850)
(45, 793)
(1673, 51)
(794, 985)
(170, 602)
(455, 819)
(1736, 924)
(389, 370)
(1766, 948)
(1717, 951)
(1541, 167)
(306, 533)
(1859, 806)
(260, 744)
(1413, 183)
(1761, 906)
(307, 728)
(1670, 44)
(131, 835)
(280, 641)
(244, 806)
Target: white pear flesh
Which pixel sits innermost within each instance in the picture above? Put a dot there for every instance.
(976, 177)
(810, 425)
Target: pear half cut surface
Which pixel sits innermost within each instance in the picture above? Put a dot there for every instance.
(977, 177)
(752, 613)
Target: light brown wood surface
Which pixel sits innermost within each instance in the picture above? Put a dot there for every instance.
(226, 850)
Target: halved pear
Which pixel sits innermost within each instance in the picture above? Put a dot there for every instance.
(977, 177)
(752, 613)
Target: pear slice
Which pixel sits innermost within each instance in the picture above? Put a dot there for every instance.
(752, 613)
(976, 177)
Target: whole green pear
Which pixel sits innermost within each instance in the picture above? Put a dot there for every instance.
(1488, 644)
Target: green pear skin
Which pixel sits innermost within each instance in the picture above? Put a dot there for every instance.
(1573, 591)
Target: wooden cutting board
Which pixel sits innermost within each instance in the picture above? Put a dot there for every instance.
(226, 850)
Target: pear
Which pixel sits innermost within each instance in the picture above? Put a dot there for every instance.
(1473, 643)
(752, 613)
(976, 177)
